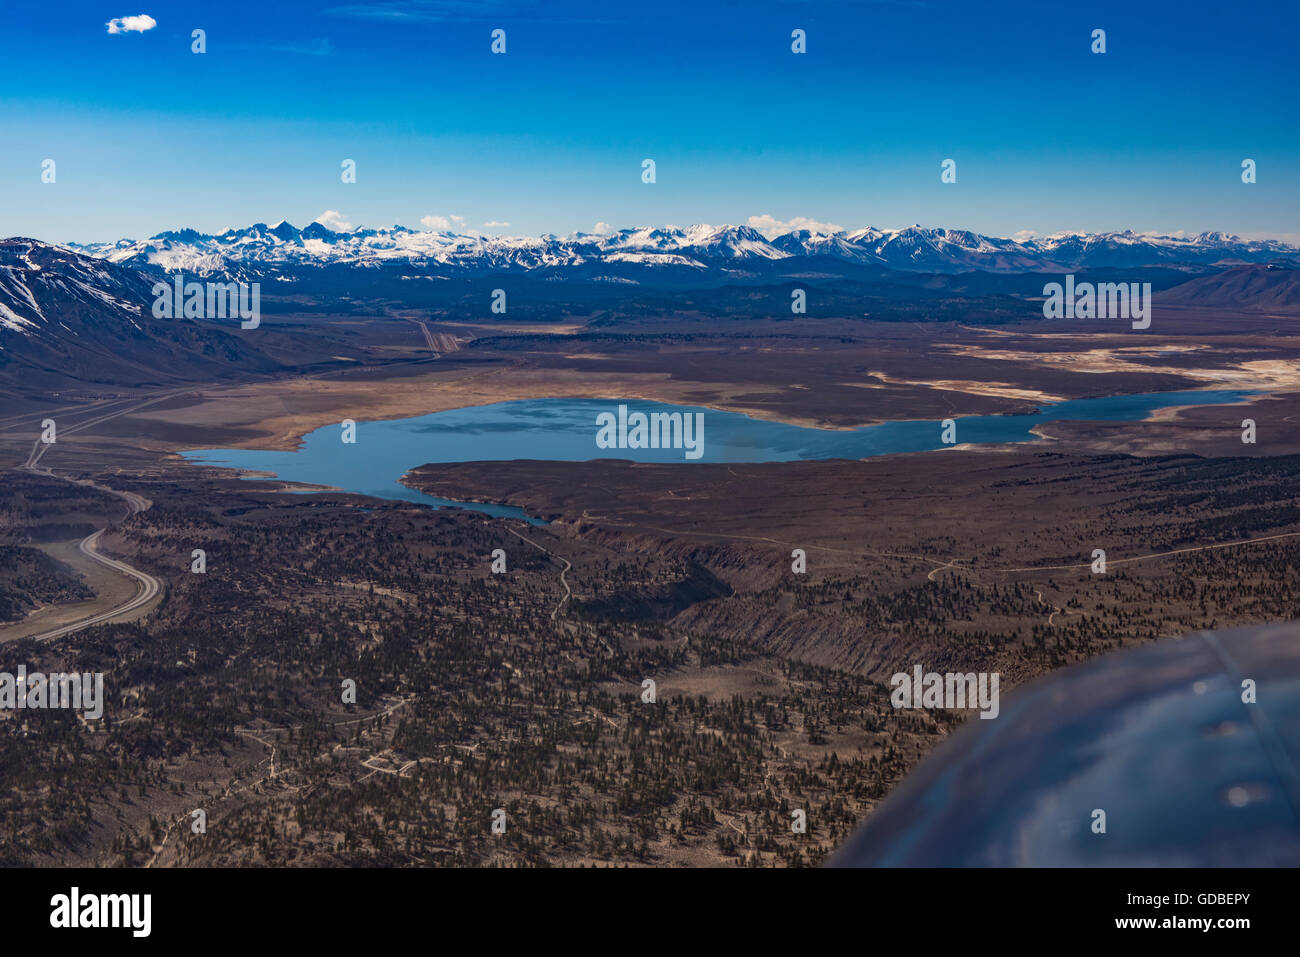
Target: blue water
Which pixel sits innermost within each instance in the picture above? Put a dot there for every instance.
(565, 430)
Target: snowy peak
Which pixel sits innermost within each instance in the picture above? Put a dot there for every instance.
(40, 284)
(68, 319)
(283, 231)
(283, 250)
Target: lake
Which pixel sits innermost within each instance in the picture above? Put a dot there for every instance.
(566, 430)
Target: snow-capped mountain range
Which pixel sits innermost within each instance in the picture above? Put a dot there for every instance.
(283, 251)
(40, 285)
(83, 315)
(68, 317)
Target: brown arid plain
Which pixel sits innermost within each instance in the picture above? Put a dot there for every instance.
(523, 691)
(827, 374)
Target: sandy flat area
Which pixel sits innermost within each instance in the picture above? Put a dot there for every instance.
(276, 414)
(284, 411)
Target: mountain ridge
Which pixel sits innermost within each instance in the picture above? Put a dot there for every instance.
(280, 251)
(68, 317)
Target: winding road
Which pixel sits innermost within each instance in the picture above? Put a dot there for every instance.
(147, 586)
(563, 571)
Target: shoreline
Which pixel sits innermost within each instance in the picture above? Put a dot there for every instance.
(293, 441)
(1039, 433)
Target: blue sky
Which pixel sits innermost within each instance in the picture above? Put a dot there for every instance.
(1047, 136)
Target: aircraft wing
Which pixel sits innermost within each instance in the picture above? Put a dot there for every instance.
(1158, 738)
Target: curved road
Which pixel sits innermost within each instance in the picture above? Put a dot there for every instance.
(568, 593)
(147, 587)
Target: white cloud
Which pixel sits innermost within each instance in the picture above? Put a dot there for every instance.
(136, 24)
(441, 222)
(1025, 235)
(602, 229)
(495, 225)
(333, 219)
(771, 227)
